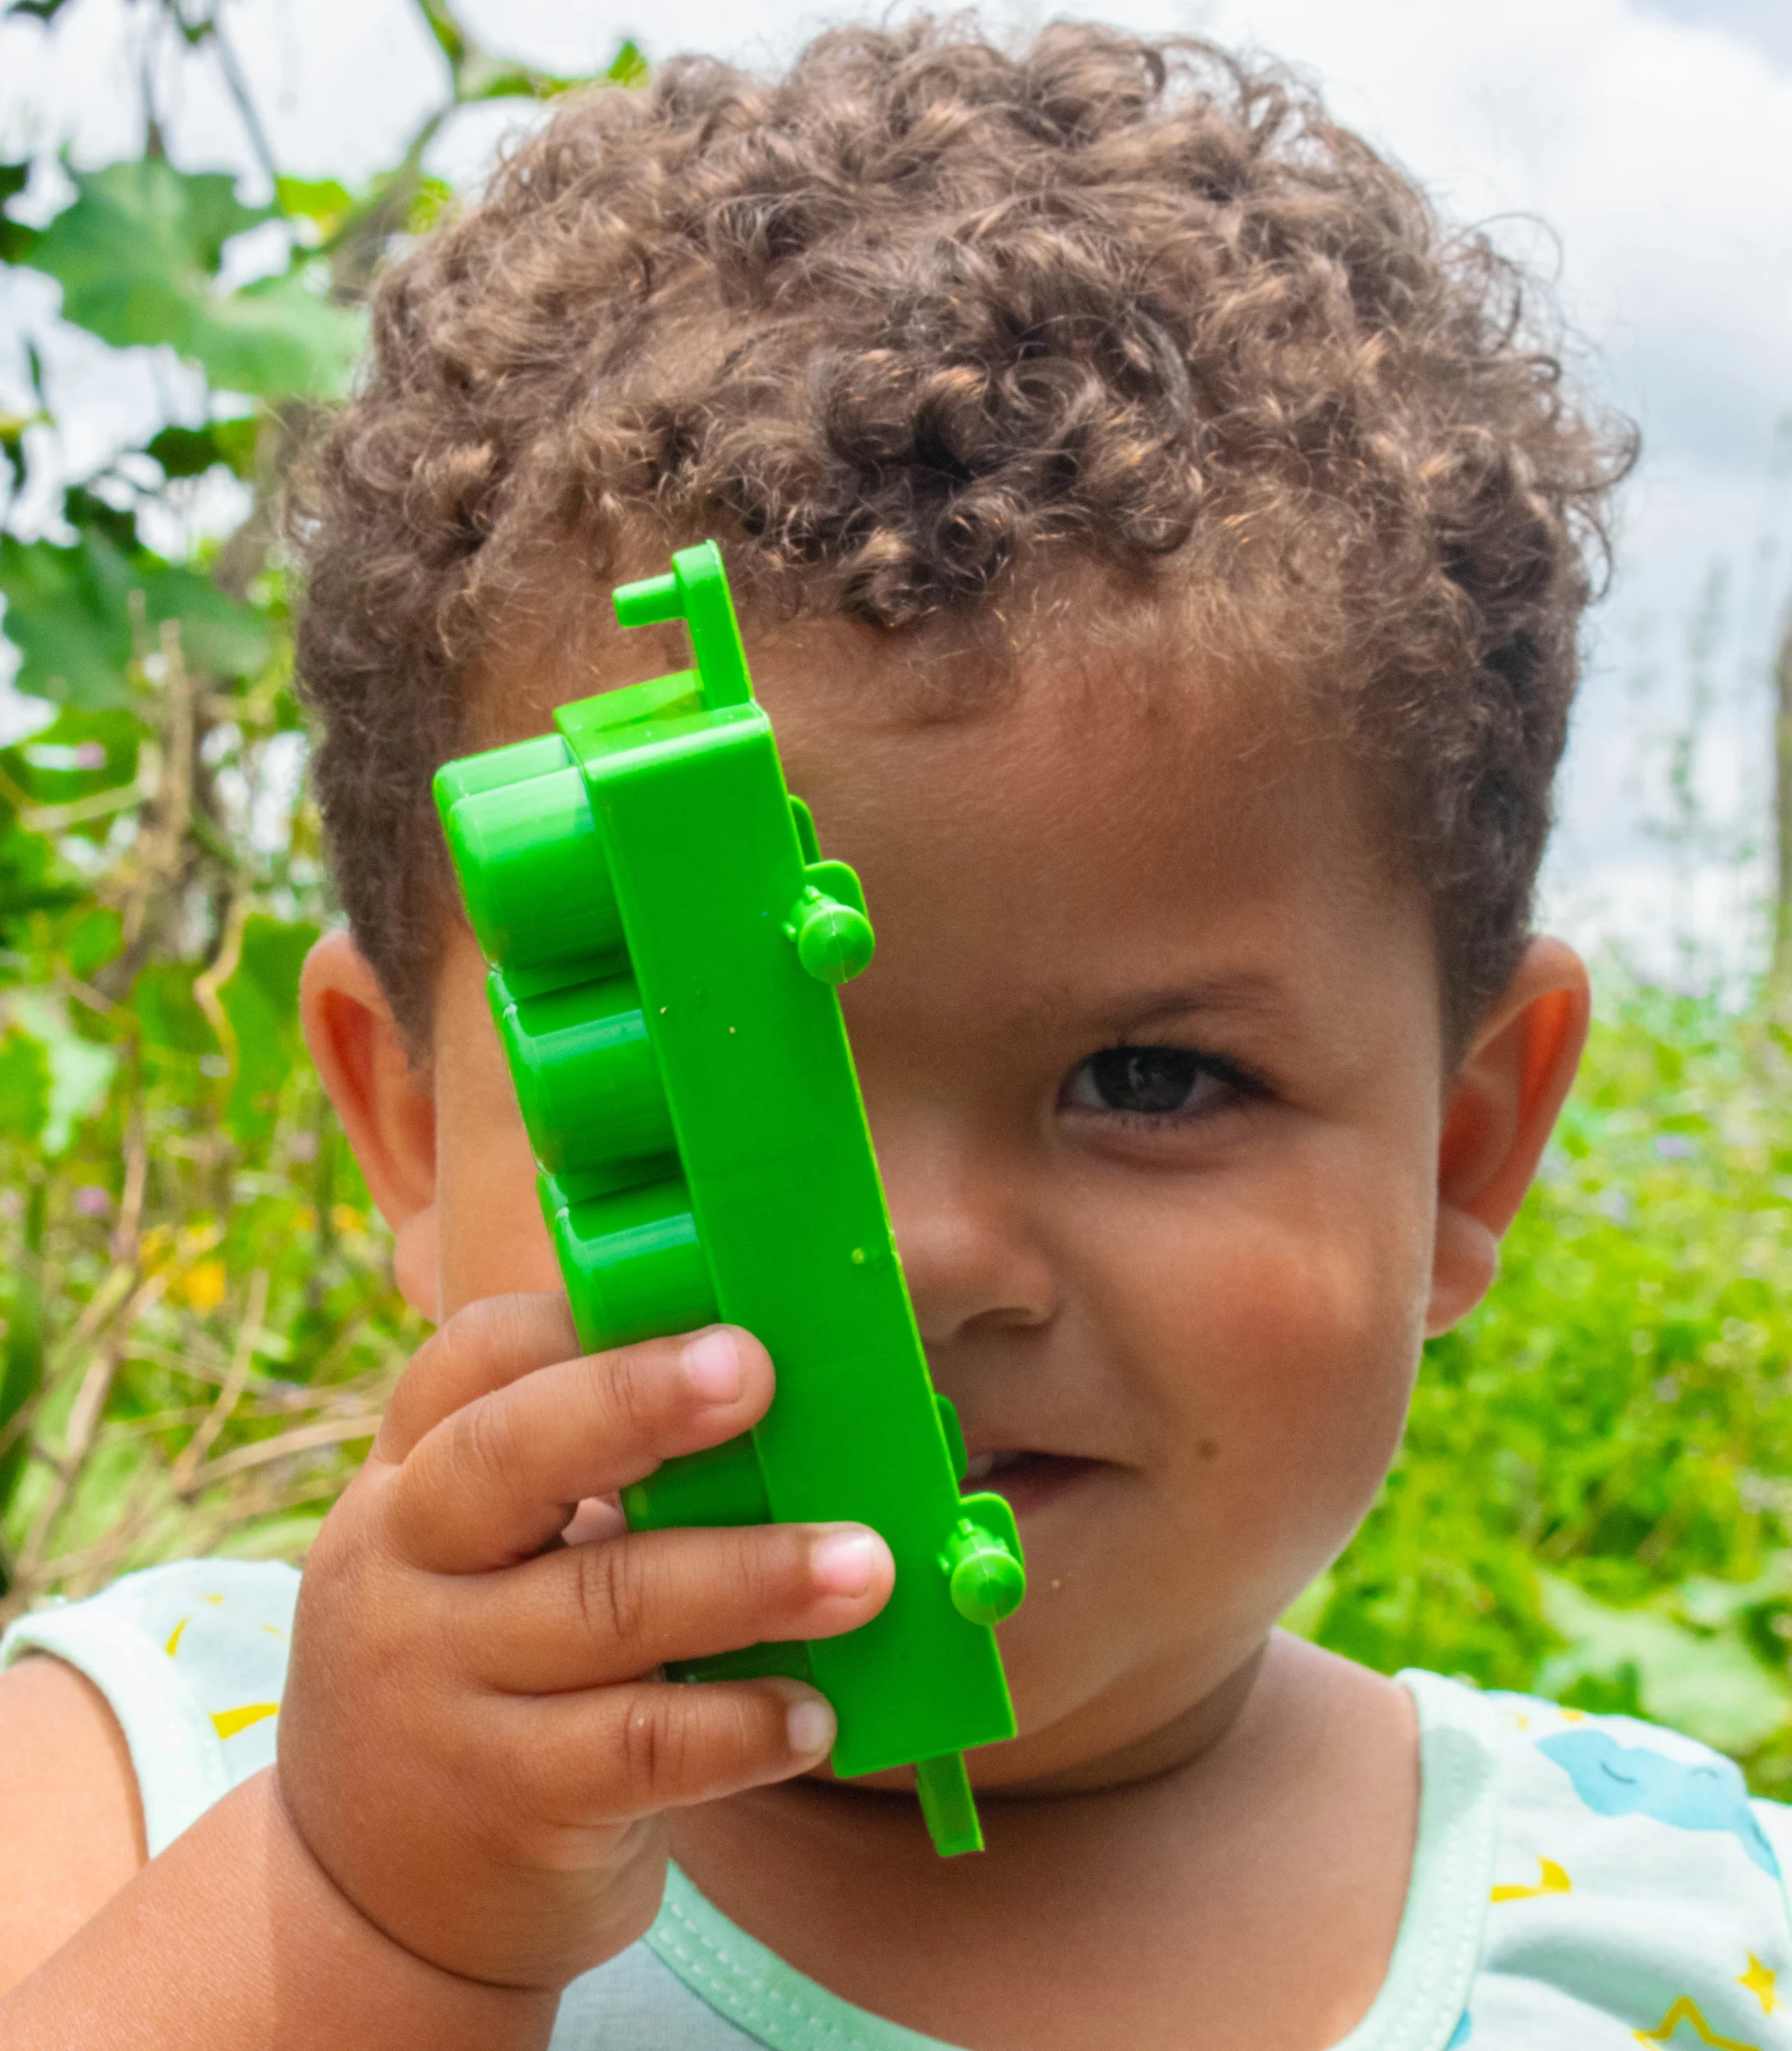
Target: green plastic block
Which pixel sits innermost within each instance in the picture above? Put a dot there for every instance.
(665, 942)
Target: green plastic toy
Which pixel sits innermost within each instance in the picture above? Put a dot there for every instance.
(665, 942)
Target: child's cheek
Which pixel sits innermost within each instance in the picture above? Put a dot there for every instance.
(1293, 1381)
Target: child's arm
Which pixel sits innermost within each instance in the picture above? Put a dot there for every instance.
(475, 1747)
(71, 1831)
(234, 1936)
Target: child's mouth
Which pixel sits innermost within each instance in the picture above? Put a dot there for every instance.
(1028, 1480)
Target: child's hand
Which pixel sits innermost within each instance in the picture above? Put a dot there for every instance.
(474, 1743)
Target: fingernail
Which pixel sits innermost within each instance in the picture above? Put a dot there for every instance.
(845, 1562)
(712, 1366)
(809, 1727)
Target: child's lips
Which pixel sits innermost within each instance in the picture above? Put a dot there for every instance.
(1029, 1480)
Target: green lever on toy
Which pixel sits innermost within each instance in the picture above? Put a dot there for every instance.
(665, 940)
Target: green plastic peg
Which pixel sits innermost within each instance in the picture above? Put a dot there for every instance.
(665, 943)
(987, 1579)
(834, 942)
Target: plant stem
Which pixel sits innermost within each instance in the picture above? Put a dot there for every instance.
(21, 1372)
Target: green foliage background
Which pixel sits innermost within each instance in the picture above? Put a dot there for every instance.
(1595, 1499)
(199, 1322)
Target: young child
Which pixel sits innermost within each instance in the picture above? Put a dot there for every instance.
(1161, 548)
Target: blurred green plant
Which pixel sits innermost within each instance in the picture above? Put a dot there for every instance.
(1595, 1496)
(198, 1323)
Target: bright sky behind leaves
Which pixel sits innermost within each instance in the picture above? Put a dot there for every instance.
(1653, 137)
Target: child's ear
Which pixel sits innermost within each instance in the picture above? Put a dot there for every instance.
(1501, 1110)
(387, 1108)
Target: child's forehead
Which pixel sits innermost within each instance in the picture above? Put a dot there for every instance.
(1137, 739)
(1121, 730)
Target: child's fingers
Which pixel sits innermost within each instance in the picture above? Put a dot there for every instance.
(485, 1346)
(616, 1754)
(595, 1614)
(494, 1482)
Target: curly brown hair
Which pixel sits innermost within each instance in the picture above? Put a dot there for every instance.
(911, 320)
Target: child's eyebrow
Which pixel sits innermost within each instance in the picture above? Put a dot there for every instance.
(1250, 996)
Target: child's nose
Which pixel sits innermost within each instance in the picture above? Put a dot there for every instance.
(971, 1252)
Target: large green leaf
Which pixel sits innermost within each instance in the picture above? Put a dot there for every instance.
(261, 1000)
(169, 1020)
(34, 878)
(77, 755)
(80, 1070)
(1706, 1683)
(24, 1084)
(138, 249)
(218, 637)
(277, 335)
(137, 256)
(68, 613)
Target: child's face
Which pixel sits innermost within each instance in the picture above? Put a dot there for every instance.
(1176, 1296)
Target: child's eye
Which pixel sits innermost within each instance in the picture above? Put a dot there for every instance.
(1153, 1083)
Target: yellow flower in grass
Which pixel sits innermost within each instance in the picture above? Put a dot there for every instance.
(202, 1286)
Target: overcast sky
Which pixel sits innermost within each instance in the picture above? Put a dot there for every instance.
(1653, 137)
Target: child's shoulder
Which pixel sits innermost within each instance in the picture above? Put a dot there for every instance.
(1631, 1890)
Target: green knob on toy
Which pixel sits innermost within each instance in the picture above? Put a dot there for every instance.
(987, 1581)
(653, 600)
(833, 941)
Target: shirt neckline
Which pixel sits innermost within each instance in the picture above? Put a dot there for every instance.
(1419, 2008)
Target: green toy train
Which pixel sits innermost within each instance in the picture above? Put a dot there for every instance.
(665, 942)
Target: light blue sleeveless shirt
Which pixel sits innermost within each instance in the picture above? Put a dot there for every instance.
(1581, 1883)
